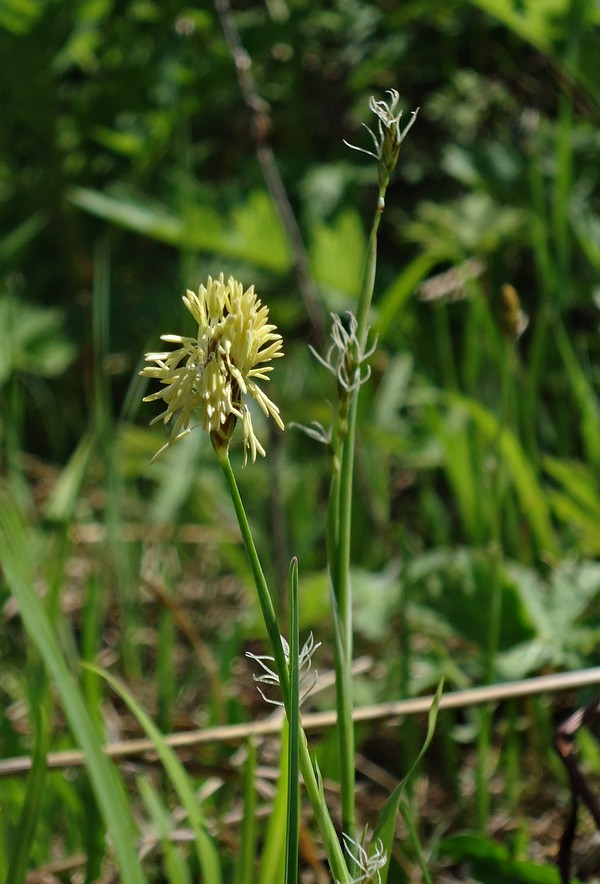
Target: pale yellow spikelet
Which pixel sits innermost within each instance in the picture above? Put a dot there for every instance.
(210, 374)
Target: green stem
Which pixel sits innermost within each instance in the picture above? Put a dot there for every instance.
(324, 823)
(264, 596)
(292, 833)
(414, 837)
(339, 534)
(368, 280)
(343, 623)
(495, 553)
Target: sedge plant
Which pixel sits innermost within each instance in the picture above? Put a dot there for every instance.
(211, 376)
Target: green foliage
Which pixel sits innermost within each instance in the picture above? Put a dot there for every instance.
(492, 864)
(32, 806)
(107, 786)
(207, 855)
(128, 172)
(32, 341)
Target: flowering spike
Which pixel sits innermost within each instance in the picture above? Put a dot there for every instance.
(390, 134)
(346, 356)
(368, 864)
(308, 676)
(212, 373)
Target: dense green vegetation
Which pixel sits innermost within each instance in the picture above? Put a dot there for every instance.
(131, 168)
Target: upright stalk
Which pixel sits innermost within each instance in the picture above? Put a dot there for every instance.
(339, 520)
(326, 828)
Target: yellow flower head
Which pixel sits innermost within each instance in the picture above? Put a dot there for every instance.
(211, 373)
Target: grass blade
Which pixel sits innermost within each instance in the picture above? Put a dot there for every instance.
(293, 791)
(386, 825)
(273, 858)
(245, 866)
(206, 850)
(32, 806)
(15, 556)
(176, 870)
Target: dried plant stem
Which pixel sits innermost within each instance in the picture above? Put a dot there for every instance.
(320, 721)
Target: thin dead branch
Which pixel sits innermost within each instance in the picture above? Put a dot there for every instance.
(580, 790)
(319, 721)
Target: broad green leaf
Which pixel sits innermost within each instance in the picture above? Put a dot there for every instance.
(32, 340)
(257, 235)
(19, 16)
(492, 864)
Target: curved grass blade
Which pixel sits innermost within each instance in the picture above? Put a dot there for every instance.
(176, 869)
(16, 555)
(531, 495)
(206, 850)
(32, 806)
(386, 824)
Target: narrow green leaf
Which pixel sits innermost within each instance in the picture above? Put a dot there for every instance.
(253, 233)
(247, 853)
(206, 850)
(131, 215)
(176, 869)
(61, 503)
(531, 495)
(16, 544)
(293, 802)
(272, 863)
(393, 301)
(386, 824)
(12, 243)
(414, 837)
(32, 806)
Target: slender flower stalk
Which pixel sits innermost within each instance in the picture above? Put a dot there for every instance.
(326, 828)
(387, 143)
(209, 375)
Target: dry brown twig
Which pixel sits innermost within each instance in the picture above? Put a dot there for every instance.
(319, 721)
(564, 740)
